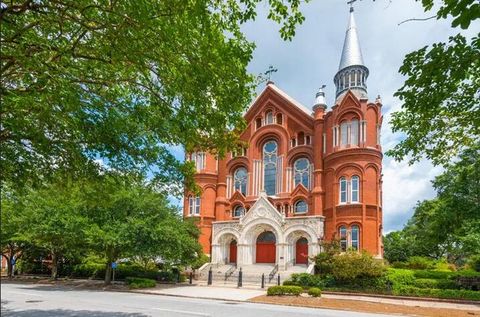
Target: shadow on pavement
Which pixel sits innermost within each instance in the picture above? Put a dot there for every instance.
(65, 312)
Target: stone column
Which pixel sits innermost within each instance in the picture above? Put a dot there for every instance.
(282, 256)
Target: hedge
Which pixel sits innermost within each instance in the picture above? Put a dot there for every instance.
(314, 292)
(305, 280)
(284, 290)
(437, 293)
(136, 282)
(435, 283)
(97, 271)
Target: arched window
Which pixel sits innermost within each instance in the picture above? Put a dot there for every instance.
(302, 172)
(344, 133)
(355, 189)
(269, 118)
(279, 118)
(258, 123)
(354, 132)
(294, 142)
(238, 211)
(355, 237)
(343, 190)
(240, 180)
(301, 138)
(266, 236)
(194, 205)
(270, 167)
(301, 207)
(343, 238)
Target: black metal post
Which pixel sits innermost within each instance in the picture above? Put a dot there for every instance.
(240, 278)
(210, 276)
(190, 278)
(178, 277)
(263, 280)
(278, 279)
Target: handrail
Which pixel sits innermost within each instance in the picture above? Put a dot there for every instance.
(230, 271)
(272, 273)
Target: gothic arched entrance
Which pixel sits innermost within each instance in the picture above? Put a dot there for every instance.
(265, 248)
(233, 251)
(301, 251)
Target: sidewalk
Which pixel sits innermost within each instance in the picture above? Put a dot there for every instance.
(206, 292)
(242, 294)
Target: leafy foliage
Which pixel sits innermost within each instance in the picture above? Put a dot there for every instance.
(440, 114)
(448, 225)
(124, 80)
(136, 282)
(354, 265)
(284, 290)
(314, 292)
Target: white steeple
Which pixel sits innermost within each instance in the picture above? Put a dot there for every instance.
(352, 73)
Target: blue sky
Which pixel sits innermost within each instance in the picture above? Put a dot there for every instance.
(312, 57)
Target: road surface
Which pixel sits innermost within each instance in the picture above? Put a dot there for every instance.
(24, 300)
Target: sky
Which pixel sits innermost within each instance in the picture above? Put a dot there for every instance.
(311, 59)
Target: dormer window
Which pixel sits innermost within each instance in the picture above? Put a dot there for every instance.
(269, 118)
(301, 138)
(258, 123)
(279, 119)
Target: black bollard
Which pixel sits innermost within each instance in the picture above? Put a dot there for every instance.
(178, 277)
(278, 279)
(263, 280)
(190, 277)
(240, 278)
(210, 277)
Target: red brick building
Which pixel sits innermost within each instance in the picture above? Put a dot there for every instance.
(307, 175)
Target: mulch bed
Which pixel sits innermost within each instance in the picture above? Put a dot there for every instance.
(363, 306)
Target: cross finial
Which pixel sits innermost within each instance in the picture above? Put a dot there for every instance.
(351, 2)
(270, 71)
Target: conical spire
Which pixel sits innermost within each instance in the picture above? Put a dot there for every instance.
(352, 73)
(351, 54)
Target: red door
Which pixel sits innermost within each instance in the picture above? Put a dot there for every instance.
(301, 254)
(266, 250)
(233, 251)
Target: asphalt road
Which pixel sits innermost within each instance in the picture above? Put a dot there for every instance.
(48, 301)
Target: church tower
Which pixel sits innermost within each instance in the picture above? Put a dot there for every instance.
(307, 175)
(353, 155)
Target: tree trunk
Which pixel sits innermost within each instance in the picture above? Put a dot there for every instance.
(54, 266)
(108, 273)
(9, 268)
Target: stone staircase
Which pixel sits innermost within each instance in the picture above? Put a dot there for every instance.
(251, 274)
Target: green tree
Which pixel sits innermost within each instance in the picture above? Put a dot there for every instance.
(440, 114)
(124, 80)
(53, 220)
(130, 218)
(448, 225)
(396, 247)
(12, 244)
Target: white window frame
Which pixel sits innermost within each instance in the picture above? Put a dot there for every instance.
(357, 190)
(343, 179)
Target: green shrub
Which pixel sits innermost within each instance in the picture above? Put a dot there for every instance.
(400, 276)
(314, 292)
(305, 280)
(136, 282)
(420, 263)
(467, 273)
(435, 283)
(443, 265)
(436, 293)
(474, 263)
(284, 290)
(352, 265)
(434, 274)
(399, 265)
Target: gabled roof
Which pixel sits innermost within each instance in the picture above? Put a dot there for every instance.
(271, 87)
